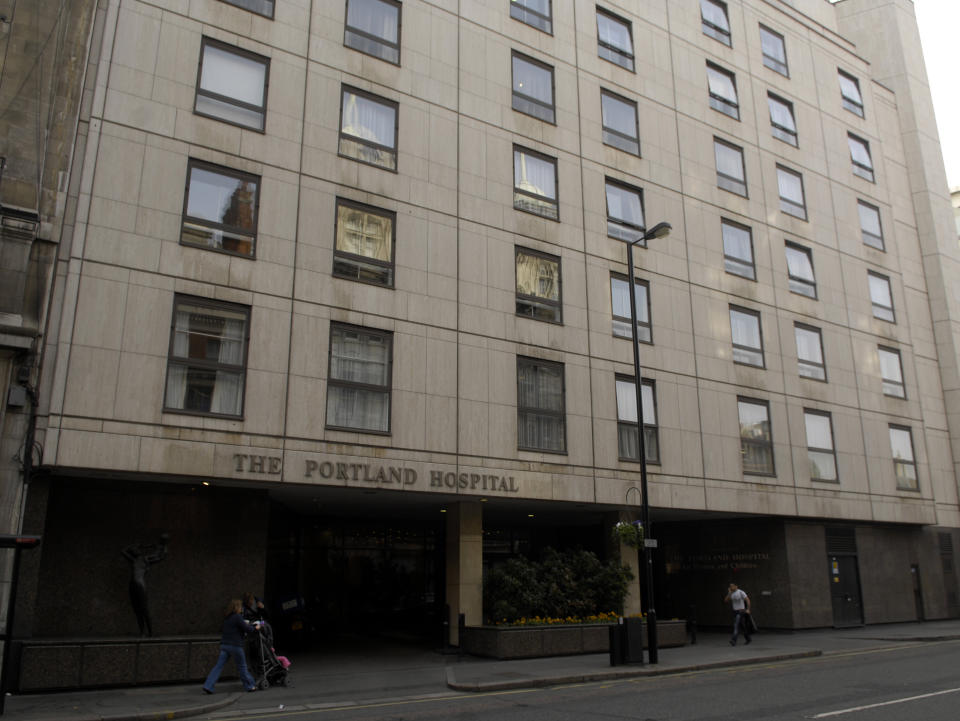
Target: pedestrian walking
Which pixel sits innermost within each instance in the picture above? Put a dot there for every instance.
(231, 646)
(740, 602)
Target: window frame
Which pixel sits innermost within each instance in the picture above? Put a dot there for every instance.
(375, 40)
(778, 131)
(651, 431)
(746, 350)
(629, 232)
(767, 443)
(710, 29)
(614, 138)
(539, 410)
(778, 66)
(816, 450)
(818, 369)
(644, 328)
(611, 53)
(535, 301)
(388, 267)
(548, 202)
(853, 105)
(860, 169)
(363, 143)
(892, 384)
(874, 241)
(240, 4)
(726, 182)
(788, 205)
(899, 464)
(730, 108)
(732, 261)
(873, 302)
(186, 218)
(548, 112)
(356, 385)
(522, 13)
(796, 282)
(199, 92)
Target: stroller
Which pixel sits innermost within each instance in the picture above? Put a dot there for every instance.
(267, 668)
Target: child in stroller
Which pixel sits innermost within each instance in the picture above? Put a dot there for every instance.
(267, 668)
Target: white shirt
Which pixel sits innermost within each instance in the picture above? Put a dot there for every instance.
(738, 598)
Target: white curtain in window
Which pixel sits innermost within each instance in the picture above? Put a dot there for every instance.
(360, 358)
(624, 205)
(375, 18)
(781, 114)
(869, 219)
(818, 431)
(729, 161)
(540, 6)
(722, 85)
(745, 329)
(808, 347)
(627, 402)
(358, 408)
(798, 265)
(540, 387)
(619, 115)
(233, 75)
(859, 152)
(613, 33)
(620, 296)
(901, 444)
(890, 367)
(850, 90)
(736, 243)
(369, 120)
(772, 46)
(176, 385)
(227, 391)
(790, 185)
(534, 175)
(880, 291)
(714, 14)
(532, 80)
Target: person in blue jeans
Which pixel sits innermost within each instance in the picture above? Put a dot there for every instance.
(741, 613)
(231, 646)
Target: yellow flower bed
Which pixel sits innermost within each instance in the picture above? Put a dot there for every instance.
(606, 617)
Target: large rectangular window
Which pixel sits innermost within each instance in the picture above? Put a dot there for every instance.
(738, 249)
(891, 371)
(538, 286)
(535, 183)
(541, 409)
(714, 20)
(810, 352)
(373, 28)
(800, 270)
(614, 39)
(207, 361)
(774, 50)
(624, 212)
(746, 337)
(220, 209)
(232, 85)
(260, 7)
(880, 296)
(628, 441)
(620, 127)
(782, 124)
(365, 241)
(620, 303)
(904, 462)
(368, 128)
(358, 386)
(850, 93)
(731, 174)
(860, 157)
(870, 229)
(756, 438)
(537, 13)
(820, 449)
(533, 88)
(722, 85)
(790, 184)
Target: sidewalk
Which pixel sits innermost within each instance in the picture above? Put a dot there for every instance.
(361, 671)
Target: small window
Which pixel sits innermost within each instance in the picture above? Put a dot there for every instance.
(614, 39)
(891, 371)
(373, 28)
(756, 439)
(860, 157)
(714, 20)
(620, 128)
(538, 286)
(800, 270)
(774, 50)
(206, 368)
(220, 209)
(782, 124)
(738, 249)
(790, 184)
(535, 183)
(625, 212)
(904, 464)
(537, 13)
(365, 241)
(260, 7)
(232, 85)
(850, 93)
(620, 303)
(723, 91)
(870, 229)
(533, 88)
(820, 449)
(628, 441)
(880, 297)
(810, 352)
(368, 129)
(731, 175)
(541, 409)
(358, 386)
(746, 337)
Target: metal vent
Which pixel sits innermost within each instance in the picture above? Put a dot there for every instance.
(946, 544)
(841, 541)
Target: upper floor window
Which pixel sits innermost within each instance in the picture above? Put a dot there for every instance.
(538, 286)
(537, 13)
(261, 7)
(810, 352)
(620, 127)
(850, 93)
(800, 270)
(714, 20)
(904, 463)
(774, 50)
(860, 157)
(756, 437)
(790, 184)
(738, 249)
(359, 382)
(880, 296)
(614, 39)
(232, 85)
(365, 238)
(535, 183)
(368, 128)
(870, 229)
(373, 27)
(746, 337)
(731, 175)
(533, 88)
(820, 450)
(782, 124)
(628, 440)
(891, 371)
(624, 212)
(220, 209)
(541, 408)
(723, 91)
(620, 303)
(206, 367)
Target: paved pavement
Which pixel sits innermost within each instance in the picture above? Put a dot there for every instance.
(360, 671)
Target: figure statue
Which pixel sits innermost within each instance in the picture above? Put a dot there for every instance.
(141, 556)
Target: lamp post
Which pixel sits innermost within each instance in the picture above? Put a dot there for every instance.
(660, 230)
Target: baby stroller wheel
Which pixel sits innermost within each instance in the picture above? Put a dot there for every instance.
(264, 684)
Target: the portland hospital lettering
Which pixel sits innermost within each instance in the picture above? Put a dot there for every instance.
(403, 476)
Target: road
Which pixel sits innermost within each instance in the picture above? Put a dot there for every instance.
(904, 682)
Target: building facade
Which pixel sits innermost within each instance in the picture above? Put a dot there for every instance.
(344, 311)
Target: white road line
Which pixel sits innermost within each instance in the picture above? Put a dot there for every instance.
(885, 703)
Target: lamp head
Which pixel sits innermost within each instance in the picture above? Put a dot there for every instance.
(658, 231)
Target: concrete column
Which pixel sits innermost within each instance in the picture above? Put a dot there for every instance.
(464, 565)
(633, 603)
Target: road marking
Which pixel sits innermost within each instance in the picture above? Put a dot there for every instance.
(885, 703)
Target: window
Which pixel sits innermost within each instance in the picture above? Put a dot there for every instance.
(628, 441)
(535, 183)
(756, 440)
(373, 27)
(860, 157)
(207, 360)
(620, 127)
(746, 337)
(731, 175)
(870, 228)
(820, 450)
(368, 129)
(790, 184)
(850, 93)
(538, 286)
(620, 303)
(880, 296)
(614, 39)
(537, 13)
(541, 413)
(220, 209)
(714, 21)
(891, 370)
(358, 386)
(624, 212)
(365, 238)
(232, 85)
(533, 88)
(723, 91)
(783, 127)
(810, 352)
(904, 465)
(738, 249)
(261, 7)
(774, 50)
(800, 270)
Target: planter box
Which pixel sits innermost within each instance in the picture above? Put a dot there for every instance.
(505, 642)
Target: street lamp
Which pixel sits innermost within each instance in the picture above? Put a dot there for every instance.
(660, 230)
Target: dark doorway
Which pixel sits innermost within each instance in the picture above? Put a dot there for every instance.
(845, 591)
(917, 591)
